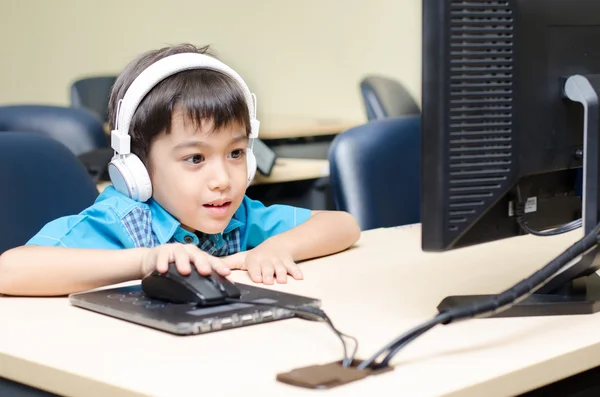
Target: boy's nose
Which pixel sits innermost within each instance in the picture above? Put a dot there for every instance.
(219, 179)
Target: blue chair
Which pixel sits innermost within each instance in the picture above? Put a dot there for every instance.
(77, 129)
(375, 172)
(93, 93)
(385, 97)
(41, 181)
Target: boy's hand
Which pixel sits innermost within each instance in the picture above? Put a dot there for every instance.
(264, 262)
(184, 256)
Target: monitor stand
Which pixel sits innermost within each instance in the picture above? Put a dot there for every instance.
(579, 296)
(575, 289)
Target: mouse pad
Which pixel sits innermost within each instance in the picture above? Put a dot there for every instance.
(131, 304)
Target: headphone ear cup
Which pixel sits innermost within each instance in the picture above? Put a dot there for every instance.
(130, 177)
(251, 163)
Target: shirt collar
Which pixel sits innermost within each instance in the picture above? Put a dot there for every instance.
(165, 226)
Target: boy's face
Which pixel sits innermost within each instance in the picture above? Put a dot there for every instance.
(199, 175)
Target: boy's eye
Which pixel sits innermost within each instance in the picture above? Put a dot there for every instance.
(237, 153)
(195, 159)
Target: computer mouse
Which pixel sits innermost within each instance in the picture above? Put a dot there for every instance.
(174, 287)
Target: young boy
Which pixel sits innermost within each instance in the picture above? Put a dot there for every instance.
(191, 133)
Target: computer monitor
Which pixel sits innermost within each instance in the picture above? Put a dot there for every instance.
(506, 149)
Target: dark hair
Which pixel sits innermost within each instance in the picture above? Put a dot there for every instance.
(200, 93)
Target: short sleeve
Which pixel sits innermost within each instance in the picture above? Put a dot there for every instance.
(97, 227)
(262, 222)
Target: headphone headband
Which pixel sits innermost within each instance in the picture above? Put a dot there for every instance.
(160, 70)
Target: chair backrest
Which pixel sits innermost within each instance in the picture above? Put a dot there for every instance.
(375, 172)
(386, 97)
(77, 129)
(41, 181)
(93, 94)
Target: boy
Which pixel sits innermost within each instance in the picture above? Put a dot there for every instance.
(190, 133)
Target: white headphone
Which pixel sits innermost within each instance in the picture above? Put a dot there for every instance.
(127, 172)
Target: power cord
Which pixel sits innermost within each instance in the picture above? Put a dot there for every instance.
(313, 314)
(484, 308)
(552, 232)
(394, 346)
(488, 306)
(520, 215)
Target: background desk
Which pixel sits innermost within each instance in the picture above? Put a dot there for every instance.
(380, 288)
(302, 137)
(286, 127)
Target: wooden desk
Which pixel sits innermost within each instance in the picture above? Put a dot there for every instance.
(290, 170)
(375, 291)
(285, 127)
(285, 170)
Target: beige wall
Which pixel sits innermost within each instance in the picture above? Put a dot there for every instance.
(301, 58)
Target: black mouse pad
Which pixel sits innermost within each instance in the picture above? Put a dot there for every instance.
(131, 304)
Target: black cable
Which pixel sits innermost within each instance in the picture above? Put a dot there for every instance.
(520, 216)
(313, 314)
(386, 360)
(401, 341)
(551, 232)
(489, 306)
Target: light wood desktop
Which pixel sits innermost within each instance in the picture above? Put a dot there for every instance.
(374, 291)
(284, 170)
(286, 127)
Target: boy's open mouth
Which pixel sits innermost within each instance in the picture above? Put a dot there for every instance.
(218, 207)
(225, 204)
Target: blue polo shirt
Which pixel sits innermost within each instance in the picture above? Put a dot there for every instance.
(115, 221)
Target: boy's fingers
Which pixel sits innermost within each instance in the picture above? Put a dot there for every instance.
(254, 272)
(162, 259)
(201, 263)
(267, 272)
(182, 260)
(218, 265)
(198, 259)
(280, 271)
(235, 261)
(294, 270)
